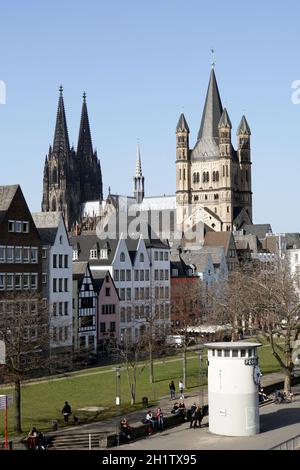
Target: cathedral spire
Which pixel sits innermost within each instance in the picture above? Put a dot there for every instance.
(85, 146)
(61, 138)
(138, 165)
(212, 111)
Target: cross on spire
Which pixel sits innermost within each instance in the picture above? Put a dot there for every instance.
(213, 59)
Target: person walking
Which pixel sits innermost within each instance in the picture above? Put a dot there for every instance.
(172, 390)
(181, 389)
(198, 417)
(66, 411)
(160, 419)
(192, 412)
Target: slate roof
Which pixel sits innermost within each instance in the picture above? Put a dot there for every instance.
(243, 127)
(260, 230)
(79, 269)
(218, 239)
(225, 120)
(47, 224)
(198, 259)
(7, 193)
(182, 124)
(215, 252)
(292, 240)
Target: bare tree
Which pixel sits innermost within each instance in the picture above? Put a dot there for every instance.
(186, 311)
(276, 311)
(24, 328)
(130, 354)
(232, 302)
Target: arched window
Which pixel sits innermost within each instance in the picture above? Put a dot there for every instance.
(198, 178)
(214, 176)
(194, 177)
(217, 176)
(226, 170)
(223, 170)
(204, 177)
(180, 174)
(184, 174)
(141, 257)
(53, 205)
(122, 257)
(207, 177)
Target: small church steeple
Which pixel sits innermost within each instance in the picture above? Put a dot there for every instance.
(85, 146)
(138, 179)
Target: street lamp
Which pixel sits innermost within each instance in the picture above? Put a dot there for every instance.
(200, 378)
(118, 387)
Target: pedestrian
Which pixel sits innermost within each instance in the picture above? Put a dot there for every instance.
(181, 389)
(198, 417)
(172, 389)
(160, 419)
(125, 429)
(192, 412)
(149, 420)
(66, 411)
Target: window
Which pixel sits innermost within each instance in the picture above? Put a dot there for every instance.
(136, 293)
(107, 291)
(44, 278)
(161, 274)
(18, 279)
(60, 285)
(142, 275)
(136, 312)
(75, 255)
(9, 281)
(166, 274)
(66, 308)
(60, 261)
(18, 226)
(142, 293)
(18, 254)
(122, 257)
(122, 275)
(155, 255)
(128, 294)
(93, 254)
(102, 327)
(167, 292)
(2, 281)
(122, 315)
(60, 239)
(33, 281)
(219, 352)
(25, 227)
(142, 258)
(34, 255)
(66, 333)
(227, 352)
(161, 256)
(107, 278)
(86, 302)
(66, 261)
(136, 275)
(54, 333)
(25, 281)
(128, 275)
(66, 284)
(54, 285)
(147, 295)
(122, 294)
(54, 309)
(103, 254)
(11, 226)
(60, 334)
(2, 254)
(161, 292)
(129, 314)
(112, 326)
(147, 275)
(243, 352)
(44, 253)
(60, 309)
(156, 274)
(234, 353)
(9, 254)
(166, 256)
(116, 275)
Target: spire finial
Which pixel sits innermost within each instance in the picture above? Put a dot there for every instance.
(109, 190)
(138, 166)
(213, 59)
(84, 97)
(61, 90)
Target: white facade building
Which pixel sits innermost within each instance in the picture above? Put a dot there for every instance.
(56, 278)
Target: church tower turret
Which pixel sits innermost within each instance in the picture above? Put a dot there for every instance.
(138, 179)
(182, 162)
(244, 157)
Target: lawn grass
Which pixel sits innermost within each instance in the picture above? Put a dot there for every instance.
(43, 401)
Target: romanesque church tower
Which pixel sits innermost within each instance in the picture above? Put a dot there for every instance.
(213, 174)
(71, 178)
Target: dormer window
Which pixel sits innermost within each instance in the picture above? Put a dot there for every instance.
(103, 254)
(93, 254)
(122, 257)
(141, 257)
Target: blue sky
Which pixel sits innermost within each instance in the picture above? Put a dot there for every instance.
(140, 62)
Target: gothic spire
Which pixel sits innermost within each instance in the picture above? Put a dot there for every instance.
(225, 120)
(85, 146)
(212, 111)
(61, 138)
(138, 165)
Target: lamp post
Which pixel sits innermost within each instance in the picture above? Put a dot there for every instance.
(118, 386)
(201, 391)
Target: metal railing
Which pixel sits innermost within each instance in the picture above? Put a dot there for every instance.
(290, 444)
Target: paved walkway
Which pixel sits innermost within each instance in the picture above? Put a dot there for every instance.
(278, 424)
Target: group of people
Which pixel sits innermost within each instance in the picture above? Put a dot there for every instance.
(36, 440)
(179, 409)
(196, 415)
(173, 390)
(154, 422)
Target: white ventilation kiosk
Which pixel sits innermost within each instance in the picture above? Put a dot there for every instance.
(233, 381)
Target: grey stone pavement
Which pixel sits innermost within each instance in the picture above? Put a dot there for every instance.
(278, 423)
